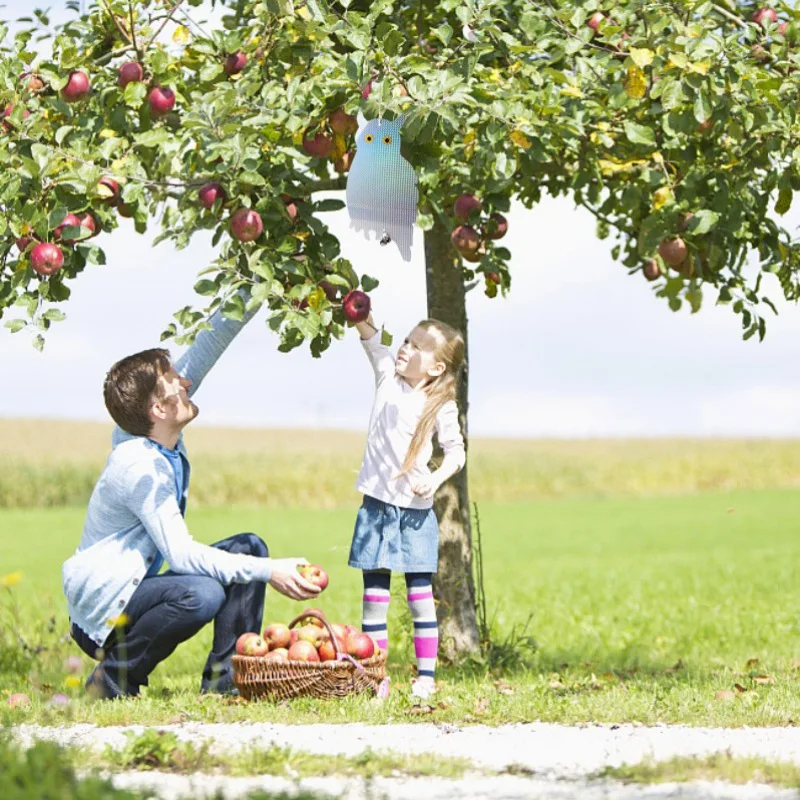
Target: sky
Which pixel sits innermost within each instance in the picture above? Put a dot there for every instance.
(577, 349)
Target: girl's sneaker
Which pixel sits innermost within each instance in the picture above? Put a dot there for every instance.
(423, 687)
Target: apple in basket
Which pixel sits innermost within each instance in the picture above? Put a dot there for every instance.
(339, 631)
(278, 635)
(327, 652)
(293, 636)
(278, 654)
(311, 634)
(241, 643)
(361, 646)
(303, 651)
(309, 620)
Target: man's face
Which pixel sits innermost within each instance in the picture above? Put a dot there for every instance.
(173, 404)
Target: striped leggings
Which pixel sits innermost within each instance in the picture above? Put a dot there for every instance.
(423, 612)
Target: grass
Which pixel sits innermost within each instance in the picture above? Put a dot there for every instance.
(716, 767)
(51, 464)
(644, 609)
(162, 750)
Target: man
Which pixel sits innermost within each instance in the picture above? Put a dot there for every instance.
(122, 611)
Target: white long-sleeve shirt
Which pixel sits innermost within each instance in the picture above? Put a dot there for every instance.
(395, 414)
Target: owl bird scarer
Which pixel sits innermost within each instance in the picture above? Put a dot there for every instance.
(382, 186)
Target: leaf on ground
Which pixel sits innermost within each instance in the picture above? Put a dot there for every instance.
(751, 662)
(504, 687)
(443, 704)
(481, 706)
(418, 710)
(763, 680)
(739, 688)
(556, 684)
(725, 695)
(234, 701)
(676, 667)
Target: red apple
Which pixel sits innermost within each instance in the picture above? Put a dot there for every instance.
(291, 206)
(19, 700)
(339, 631)
(161, 101)
(235, 63)
(594, 21)
(88, 221)
(496, 227)
(343, 123)
(246, 225)
(673, 251)
(356, 306)
(465, 239)
(367, 90)
(33, 83)
(651, 269)
(255, 646)
(9, 110)
(343, 164)
(46, 258)
(314, 574)
(303, 651)
(319, 146)
(327, 652)
(331, 291)
(782, 28)
(361, 645)
(293, 637)
(70, 221)
(278, 636)
(241, 641)
(77, 88)
(210, 193)
(279, 654)
(493, 276)
(465, 205)
(108, 189)
(350, 630)
(312, 620)
(129, 72)
(764, 15)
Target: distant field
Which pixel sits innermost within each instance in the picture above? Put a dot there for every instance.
(46, 464)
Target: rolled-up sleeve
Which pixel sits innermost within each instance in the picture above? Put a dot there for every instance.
(448, 431)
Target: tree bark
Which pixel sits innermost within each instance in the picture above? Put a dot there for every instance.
(454, 587)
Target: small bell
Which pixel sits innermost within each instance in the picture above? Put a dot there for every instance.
(385, 239)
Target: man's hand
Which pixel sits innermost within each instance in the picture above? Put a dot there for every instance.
(288, 581)
(425, 487)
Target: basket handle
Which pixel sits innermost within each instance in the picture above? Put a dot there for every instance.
(312, 612)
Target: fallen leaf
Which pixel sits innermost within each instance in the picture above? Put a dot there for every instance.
(504, 687)
(739, 688)
(444, 704)
(725, 694)
(556, 685)
(763, 680)
(751, 662)
(482, 706)
(421, 709)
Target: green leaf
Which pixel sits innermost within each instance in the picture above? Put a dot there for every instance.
(152, 138)
(16, 325)
(639, 134)
(642, 57)
(784, 201)
(444, 33)
(368, 284)
(702, 106)
(703, 221)
(134, 94)
(329, 204)
(386, 338)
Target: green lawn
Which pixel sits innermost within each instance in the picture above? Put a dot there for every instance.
(643, 609)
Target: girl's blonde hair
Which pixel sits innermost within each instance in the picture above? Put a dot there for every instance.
(441, 389)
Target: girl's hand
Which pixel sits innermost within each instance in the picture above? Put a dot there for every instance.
(425, 487)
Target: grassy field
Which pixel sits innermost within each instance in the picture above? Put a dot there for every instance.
(51, 464)
(656, 609)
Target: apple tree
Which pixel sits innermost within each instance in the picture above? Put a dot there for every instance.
(673, 123)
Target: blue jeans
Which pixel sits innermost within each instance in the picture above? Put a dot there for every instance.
(168, 609)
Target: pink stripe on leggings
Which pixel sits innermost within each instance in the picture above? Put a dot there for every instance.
(377, 598)
(426, 648)
(426, 595)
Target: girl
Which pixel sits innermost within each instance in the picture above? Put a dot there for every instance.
(396, 528)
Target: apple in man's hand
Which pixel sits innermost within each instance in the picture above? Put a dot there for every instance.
(314, 574)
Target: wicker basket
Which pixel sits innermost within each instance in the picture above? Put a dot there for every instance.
(259, 678)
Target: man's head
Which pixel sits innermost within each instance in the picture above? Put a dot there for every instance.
(143, 392)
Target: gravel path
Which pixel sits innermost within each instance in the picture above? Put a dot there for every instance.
(561, 757)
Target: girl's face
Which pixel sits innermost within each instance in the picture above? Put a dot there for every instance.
(416, 358)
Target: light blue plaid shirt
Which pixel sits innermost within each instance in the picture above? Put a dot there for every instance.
(134, 517)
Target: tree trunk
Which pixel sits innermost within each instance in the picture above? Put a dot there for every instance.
(454, 587)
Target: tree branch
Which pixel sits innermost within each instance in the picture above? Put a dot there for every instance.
(565, 29)
(163, 24)
(139, 53)
(116, 22)
(330, 185)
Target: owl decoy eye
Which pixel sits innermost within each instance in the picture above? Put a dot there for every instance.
(369, 138)
(387, 139)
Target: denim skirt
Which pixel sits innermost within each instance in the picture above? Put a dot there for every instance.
(394, 538)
